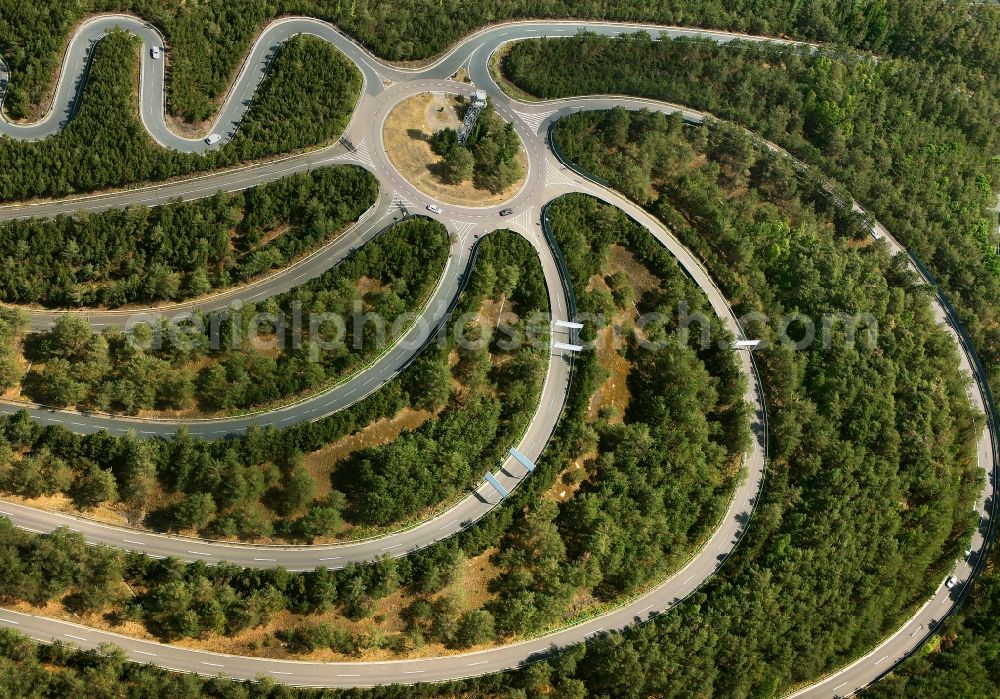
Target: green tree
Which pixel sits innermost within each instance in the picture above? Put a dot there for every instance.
(474, 628)
(93, 486)
(458, 165)
(195, 511)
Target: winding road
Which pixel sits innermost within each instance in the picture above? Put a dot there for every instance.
(385, 85)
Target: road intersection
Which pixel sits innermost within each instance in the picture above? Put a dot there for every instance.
(386, 85)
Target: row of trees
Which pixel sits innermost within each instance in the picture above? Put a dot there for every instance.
(306, 100)
(178, 250)
(246, 362)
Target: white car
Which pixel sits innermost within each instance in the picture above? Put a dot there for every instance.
(951, 582)
(213, 139)
(155, 52)
(434, 208)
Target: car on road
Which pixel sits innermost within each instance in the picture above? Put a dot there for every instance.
(951, 582)
(212, 139)
(434, 208)
(155, 52)
(506, 212)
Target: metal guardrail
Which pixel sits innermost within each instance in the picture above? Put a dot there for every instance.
(568, 162)
(567, 282)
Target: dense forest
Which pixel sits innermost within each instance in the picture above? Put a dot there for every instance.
(914, 142)
(259, 353)
(480, 407)
(491, 394)
(208, 39)
(654, 476)
(704, 433)
(178, 250)
(853, 434)
(306, 100)
(838, 413)
(756, 615)
(963, 660)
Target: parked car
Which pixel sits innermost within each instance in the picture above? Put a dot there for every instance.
(434, 208)
(155, 52)
(213, 139)
(506, 212)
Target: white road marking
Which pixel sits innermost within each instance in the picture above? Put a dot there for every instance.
(534, 121)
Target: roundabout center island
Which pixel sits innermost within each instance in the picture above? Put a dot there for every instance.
(478, 164)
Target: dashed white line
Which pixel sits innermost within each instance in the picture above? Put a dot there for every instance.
(79, 638)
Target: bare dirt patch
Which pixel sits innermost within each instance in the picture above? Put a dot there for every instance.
(406, 135)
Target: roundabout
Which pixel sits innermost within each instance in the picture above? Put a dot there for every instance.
(546, 177)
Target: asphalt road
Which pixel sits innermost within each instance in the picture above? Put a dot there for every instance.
(386, 85)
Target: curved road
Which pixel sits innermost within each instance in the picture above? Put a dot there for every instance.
(386, 85)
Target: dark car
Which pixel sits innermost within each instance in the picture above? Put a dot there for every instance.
(506, 212)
